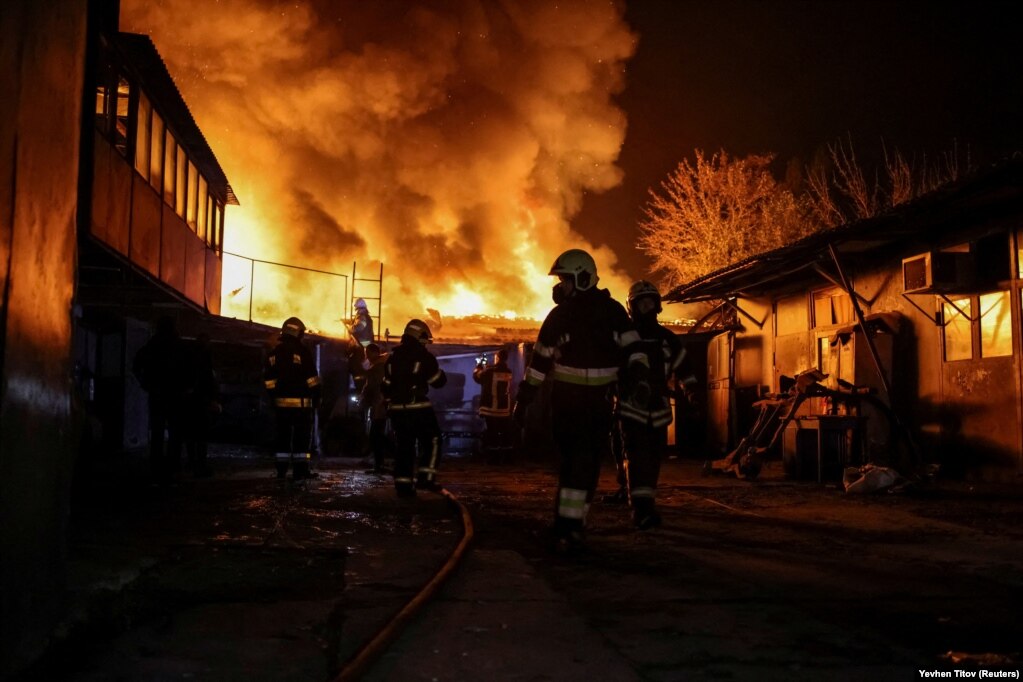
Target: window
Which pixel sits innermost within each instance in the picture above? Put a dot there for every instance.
(202, 200)
(209, 219)
(989, 331)
(144, 111)
(121, 115)
(217, 225)
(831, 307)
(958, 330)
(193, 193)
(156, 154)
(180, 188)
(995, 325)
(103, 98)
(170, 152)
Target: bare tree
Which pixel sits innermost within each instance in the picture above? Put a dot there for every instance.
(716, 211)
(838, 190)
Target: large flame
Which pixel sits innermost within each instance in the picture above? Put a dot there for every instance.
(451, 141)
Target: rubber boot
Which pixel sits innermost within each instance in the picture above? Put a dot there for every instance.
(644, 513)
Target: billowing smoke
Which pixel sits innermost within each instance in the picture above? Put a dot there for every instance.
(452, 141)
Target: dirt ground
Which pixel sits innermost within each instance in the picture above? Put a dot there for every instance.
(236, 578)
(777, 579)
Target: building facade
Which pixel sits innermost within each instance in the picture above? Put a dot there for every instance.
(919, 306)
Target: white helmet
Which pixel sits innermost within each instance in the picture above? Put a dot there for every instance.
(579, 265)
(360, 304)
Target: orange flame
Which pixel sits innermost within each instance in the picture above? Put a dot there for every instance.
(453, 142)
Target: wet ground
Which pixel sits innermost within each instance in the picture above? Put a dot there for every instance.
(236, 578)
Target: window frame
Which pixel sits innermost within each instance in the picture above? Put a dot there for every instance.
(974, 315)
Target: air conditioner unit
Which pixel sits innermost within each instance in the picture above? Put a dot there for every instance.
(937, 272)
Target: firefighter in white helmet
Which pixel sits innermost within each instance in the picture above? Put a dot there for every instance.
(644, 407)
(582, 344)
(409, 373)
(293, 383)
(362, 324)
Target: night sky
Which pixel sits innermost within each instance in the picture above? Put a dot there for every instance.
(790, 77)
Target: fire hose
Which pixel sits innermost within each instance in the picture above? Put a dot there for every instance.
(368, 653)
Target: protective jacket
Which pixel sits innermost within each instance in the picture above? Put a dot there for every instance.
(372, 397)
(409, 373)
(495, 393)
(582, 344)
(583, 341)
(666, 357)
(290, 376)
(362, 328)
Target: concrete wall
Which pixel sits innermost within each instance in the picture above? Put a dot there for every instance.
(42, 51)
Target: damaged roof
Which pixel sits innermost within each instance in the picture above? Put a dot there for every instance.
(929, 221)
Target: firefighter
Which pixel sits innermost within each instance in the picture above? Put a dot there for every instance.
(361, 332)
(409, 373)
(644, 410)
(294, 385)
(373, 405)
(161, 369)
(582, 344)
(495, 401)
(362, 326)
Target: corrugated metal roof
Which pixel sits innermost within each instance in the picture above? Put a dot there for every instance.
(143, 59)
(926, 222)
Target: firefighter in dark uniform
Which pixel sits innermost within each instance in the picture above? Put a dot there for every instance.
(294, 385)
(409, 373)
(495, 402)
(582, 344)
(644, 410)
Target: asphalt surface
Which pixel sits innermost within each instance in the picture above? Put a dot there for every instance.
(235, 577)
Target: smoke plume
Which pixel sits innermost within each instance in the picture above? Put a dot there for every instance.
(451, 141)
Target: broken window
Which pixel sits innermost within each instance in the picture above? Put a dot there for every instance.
(831, 307)
(121, 111)
(103, 89)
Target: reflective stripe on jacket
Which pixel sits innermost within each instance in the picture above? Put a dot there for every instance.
(409, 373)
(584, 340)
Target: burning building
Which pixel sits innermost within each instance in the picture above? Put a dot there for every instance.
(453, 142)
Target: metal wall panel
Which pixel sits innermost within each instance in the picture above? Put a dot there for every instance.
(214, 268)
(145, 226)
(172, 253)
(195, 269)
(110, 196)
